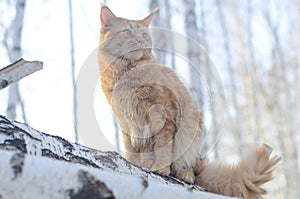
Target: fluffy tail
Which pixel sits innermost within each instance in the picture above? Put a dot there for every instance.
(242, 180)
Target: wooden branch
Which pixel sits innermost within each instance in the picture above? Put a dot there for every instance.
(18, 70)
(37, 165)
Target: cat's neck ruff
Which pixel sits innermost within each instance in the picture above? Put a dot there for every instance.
(123, 64)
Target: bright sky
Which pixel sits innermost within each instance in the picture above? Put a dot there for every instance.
(47, 94)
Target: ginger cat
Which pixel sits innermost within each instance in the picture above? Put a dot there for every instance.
(161, 122)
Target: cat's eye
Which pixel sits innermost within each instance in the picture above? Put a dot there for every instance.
(144, 35)
(128, 32)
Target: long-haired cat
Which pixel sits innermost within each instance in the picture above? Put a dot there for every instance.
(161, 122)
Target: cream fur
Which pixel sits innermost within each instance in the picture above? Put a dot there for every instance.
(161, 122)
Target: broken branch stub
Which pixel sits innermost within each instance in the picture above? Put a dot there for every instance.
(18, 70)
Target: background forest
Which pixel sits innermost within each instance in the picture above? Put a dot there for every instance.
(252, 45)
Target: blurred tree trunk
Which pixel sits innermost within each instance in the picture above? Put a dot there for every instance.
(14, 33)
(169, 37)
(117, 132)
(253, 74)
(283, 112)
(191, 30)
(208, 140)
(210, 144)
(73, 72)
(159, 38)
(232, 77)
(193, 54)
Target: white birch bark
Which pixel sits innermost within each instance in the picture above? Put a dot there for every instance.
(283, 109)
(232, 76)
(253, 72)
(26, 177)
(14, 52)
(216, 97)
(37, 165)
(159, 38)
(18, 70)
(191, 30)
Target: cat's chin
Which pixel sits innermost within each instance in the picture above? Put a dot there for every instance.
(135, 55)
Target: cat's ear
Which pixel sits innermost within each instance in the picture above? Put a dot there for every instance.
(107, 16)
(146, 21)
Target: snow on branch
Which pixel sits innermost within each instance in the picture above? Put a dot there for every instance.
(17, 70)
(37, 165)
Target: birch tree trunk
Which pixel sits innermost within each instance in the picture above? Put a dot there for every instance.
(170, 39)
(159, 39)
(74, 171)
(282, 100)
(14, 52)
(253, 72)
(231, 72)
(193, 54)
(215, 97)
(73, 72)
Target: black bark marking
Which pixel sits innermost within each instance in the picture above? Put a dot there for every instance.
(3, 83)
(4, 120)
(80, 160)
(6, 126)
(15, 143)
(145, 183)
(17, 163)
(91, 188)
(67, 145)
(68, 157)
(48, 153)
(116, 156)
(107, 161)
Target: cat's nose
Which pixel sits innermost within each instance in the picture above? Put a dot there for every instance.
(141, 41)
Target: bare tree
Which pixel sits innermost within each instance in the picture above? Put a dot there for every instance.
(170, 39)
(159, 39)
(191, 29)
(253, 70)
(283, 107)
(204, 69)
(193, 53)
(213, 85)
(12, 42)
(73, 74)
(232, 77)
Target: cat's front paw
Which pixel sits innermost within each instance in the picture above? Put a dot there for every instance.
(147, 163)
(133, 158)
(186, 175)
(166, 170)
(199, 166)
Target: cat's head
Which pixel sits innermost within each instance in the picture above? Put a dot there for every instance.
(120, 37)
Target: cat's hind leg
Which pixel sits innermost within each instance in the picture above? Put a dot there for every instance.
(186, 175)
(187, 145)
(163, 148)
(132, 154)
